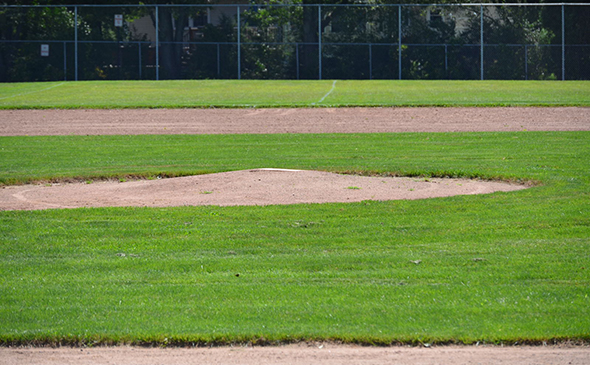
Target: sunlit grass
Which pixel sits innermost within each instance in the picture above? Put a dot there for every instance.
(250, 93)
(500, 267)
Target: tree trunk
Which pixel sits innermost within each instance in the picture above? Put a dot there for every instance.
(3, 64)
(309, 54)
(171, 30)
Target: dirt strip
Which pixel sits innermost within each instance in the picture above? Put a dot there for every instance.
(301, 354)
(315, 120)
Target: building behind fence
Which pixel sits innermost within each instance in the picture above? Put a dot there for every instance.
(246, 41)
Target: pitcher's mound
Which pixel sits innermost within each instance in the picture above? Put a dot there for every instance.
(248, 187)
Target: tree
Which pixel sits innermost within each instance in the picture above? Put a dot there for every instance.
(94, 24)
(20, 61)
(172, 23)
(272, 32)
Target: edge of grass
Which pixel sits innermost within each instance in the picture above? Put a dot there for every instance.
(295, 106)
(444, 174)
(114, 177)
(164, 341)
(97, 178)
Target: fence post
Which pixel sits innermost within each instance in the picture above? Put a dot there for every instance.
(218, 62)
(139, 52)
(157, 44)
(65, 64)
(526, 62)
(481, 39)
(562, 42)
(399, 41)
(297, 58)
(239, 45)
(370, 61)
(446, 62)
(75, 43)
(320, 41)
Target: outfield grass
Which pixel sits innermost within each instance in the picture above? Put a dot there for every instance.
(501, 267)
(250, 93)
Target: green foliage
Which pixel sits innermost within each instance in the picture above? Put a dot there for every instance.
(281, 42)
(202, 60)
(507, 26)
(266, 27)
(21, 61)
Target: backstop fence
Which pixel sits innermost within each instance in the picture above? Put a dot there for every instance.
(295, 41)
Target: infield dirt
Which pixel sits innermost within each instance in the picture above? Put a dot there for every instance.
(265, 121)
(251, 187)
(300, 354)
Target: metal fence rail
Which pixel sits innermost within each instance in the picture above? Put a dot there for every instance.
(285, 41)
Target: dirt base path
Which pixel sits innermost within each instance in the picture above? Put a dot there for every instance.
(298, 355)
(317, 120)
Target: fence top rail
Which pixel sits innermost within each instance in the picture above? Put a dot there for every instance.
(301, 43)
(287, 5)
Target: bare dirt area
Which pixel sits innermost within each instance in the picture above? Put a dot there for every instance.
(265, 121)
(250, 187)
(301, 354)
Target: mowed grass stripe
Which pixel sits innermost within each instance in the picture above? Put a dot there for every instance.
(501, 155)
(281, 93)
(502, 267)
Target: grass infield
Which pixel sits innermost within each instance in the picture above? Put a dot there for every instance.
(252, 93)
(506, 267)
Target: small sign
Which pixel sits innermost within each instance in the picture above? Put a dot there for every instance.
(45, 50)
(118, 20)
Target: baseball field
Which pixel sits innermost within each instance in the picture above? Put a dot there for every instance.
(501, 268)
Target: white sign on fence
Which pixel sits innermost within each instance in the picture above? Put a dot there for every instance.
(45, 50)
(118, 20)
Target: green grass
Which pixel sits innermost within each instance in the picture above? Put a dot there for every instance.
(249, 93)
(503, 267)
(475, 155)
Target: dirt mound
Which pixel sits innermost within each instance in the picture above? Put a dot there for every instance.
(248, 187)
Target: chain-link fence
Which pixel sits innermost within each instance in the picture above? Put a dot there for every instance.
(246, 41)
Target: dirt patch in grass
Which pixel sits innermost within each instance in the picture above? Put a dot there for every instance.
(248, 187)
